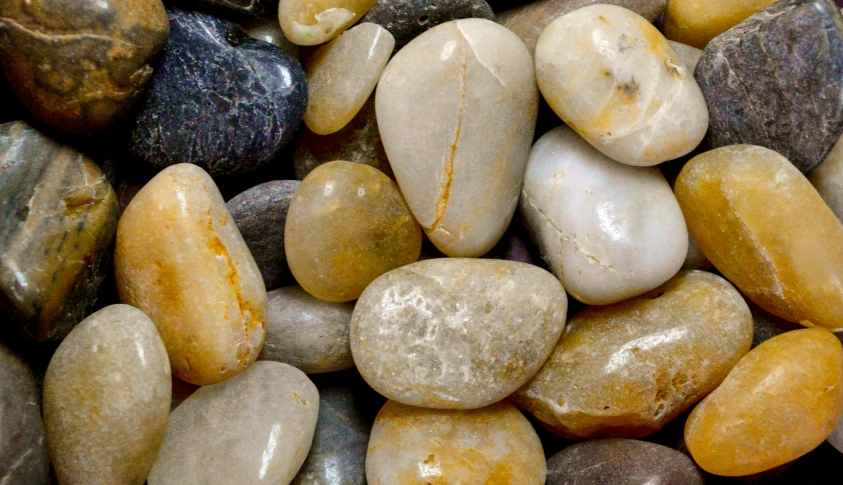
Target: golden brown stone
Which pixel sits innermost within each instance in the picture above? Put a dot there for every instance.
(313, 22)
(695, 23)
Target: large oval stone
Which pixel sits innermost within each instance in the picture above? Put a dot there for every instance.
(456, 110)
(696, 23)
(181, 259)
(309, 22)
(456, 333)
(107, 399)
(828, 180)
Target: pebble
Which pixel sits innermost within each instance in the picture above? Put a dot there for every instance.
(781, 401)
(613, 78)
(784, 248)
(776, 80)
(306, 22)
(59, 215)
(220, 99)
(689, 55)
(695, 23)
(415, 446)
(181, 259)
(407, 19)
(437, 102)
(608, 231)
(456, 333)
(836, 438)
(269, 30)
(253, 429)
(828, 180)
(250, 9)
(347, 225)
(626, 370)
(107, 399)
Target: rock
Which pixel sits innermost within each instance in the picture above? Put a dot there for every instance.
(261, 214)
(438, 103)
(836, 438)
(626, 370)
(180, 258)
(80, 66)
(306, 22)
(249, 9)
(621, 462)
(407, 19)
(59, 215)
(107, 399)
(253, 429)
(23, 450)
(220, 99)
(781, 401)
(776, 80)
(347, 225)
(343, 74)
(613, 78)
(785, 246)
(269, 30)
(493, 445)
(695, 258)
(828, 180)
(689, 55)
(456, 333)
(608, 231)
(695, 23)
(307, 333)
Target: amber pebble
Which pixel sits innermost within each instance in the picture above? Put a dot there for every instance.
(695, 23)
(762, 224)
(781, 401)
(347, 225)
(314, 22)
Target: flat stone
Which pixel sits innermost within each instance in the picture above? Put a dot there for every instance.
(107, 399)
(261, 215)
(828, 180)
(493, 445)
(180, 258)
(776, 80)
(438, 101)
(220, 99)
(253, 429)
(269, 30)
(690, 55)
(696, 23)
(608, 231)
(456, 333)
(59, 215)
(306, 22)
(626, 370)
(407, 19)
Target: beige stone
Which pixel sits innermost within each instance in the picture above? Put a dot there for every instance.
(269, 30)
(690, 55)
(314, 22)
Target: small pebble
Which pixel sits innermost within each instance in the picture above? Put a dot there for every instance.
(828, 180)
(269, 30)
(696, 23)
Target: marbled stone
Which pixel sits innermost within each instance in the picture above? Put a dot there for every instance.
(180, 258)
(253, 429)
(58, 215)
(314, 22)
(261, 215)
(608, 231)
(107, 399)
(407, 19)
(219, 99)
(626, 370)
(828, 180)
(416, 446)
(269, 30)
(456, 333)
(776, 80)
(690, 55)
(347, 225)
(613, 78)
(438, 101)
(696, 23)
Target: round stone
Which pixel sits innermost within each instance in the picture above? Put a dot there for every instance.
(407, 19)
(309, 22)
(695, 23)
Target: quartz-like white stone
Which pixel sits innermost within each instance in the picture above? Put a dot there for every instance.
(828, 180)
(689, 55)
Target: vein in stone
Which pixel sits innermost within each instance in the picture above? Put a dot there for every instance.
(62, 37)
(477, 56)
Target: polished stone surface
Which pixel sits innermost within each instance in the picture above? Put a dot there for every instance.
(407, 19)
(314, 22)
(696, 23)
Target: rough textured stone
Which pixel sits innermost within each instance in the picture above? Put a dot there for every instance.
(625, 370)
(690, 55)
(220, 99)
(180, 258)
(438, 101)
(314, 22)
(268, 30)
(456, 333)
(696, 23)
(828, 180)
(107, 399)
(58, 215)
(776, 80)
(407, 19)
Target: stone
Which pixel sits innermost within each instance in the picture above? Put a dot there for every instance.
(342, 74)
(695, 23)
(626, 370)
(309, 22)
(828, 180)
(608, 231)
(613, 78)
(269, 30)
(781, 401)
(776, 80)
(456, 110)
(690, 55)
(253, 429)
(407, 19)
(59, 215)
(785, 246)
(416, 446)
(347, 225)
(456, 333)
(249, 9)
(80, 66)
(621, 462)
(261, 214)
(307, 333)
(220, 99)
(836, 438)
(180, 258)
(107, 399)
(23, 449)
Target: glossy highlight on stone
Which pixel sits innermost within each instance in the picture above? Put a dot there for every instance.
(828, 180)
(314, 22)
